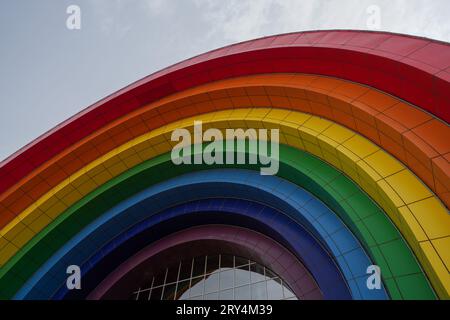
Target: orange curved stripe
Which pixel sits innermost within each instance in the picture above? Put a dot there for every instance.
(410, 134)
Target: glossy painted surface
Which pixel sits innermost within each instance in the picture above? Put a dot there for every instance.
(239, 241)
(360, 214)
(335, 144)
(377, 107)
(292, 201)
(413, 69)
(409, 134)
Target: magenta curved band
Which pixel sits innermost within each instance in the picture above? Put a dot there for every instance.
(243, 241)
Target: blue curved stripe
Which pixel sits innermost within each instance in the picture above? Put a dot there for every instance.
(273, 191)
(238, 212)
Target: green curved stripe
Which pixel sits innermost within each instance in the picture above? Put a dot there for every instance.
(401, 273)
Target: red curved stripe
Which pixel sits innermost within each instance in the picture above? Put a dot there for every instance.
(414, 69)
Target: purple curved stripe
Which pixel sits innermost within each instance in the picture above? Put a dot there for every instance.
(246, 243)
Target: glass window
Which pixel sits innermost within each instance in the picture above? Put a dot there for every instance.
(212, 282)
(287, 293)
(169, 291)
(212, 296)
(197, 285)
(142, 295)
(212, 264)
(199, 267)
(183, 289)
(222, 277)
(172, 274)
(159, 279)
(185, 270)
(156, 293)
(226, 261)
(269, 274)
(238, 261)
(259, 291)
(257, 273)
(226, 294)
(242, 275)
(242, 293)
(227, 279)
(274, 290)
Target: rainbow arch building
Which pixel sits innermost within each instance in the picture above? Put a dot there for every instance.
(363, 178)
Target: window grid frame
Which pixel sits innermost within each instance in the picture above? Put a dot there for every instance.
(267, 278)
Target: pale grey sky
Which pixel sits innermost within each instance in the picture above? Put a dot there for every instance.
(48, 72)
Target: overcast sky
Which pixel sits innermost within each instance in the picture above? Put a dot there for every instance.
(48, 72)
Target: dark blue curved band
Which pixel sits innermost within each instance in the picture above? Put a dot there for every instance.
(243, 213)
(273, 191)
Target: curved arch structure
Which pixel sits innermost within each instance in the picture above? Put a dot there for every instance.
(363, 173)
(243, 242)
(317, 219)
(346, 199)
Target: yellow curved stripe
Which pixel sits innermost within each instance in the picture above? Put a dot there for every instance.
(414, 209)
